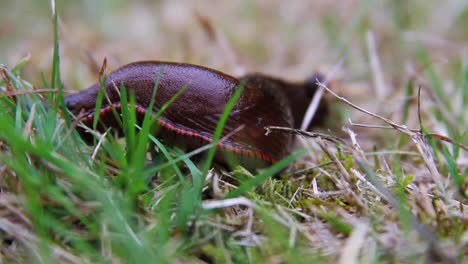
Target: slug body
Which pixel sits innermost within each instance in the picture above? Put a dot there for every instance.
(191, 119)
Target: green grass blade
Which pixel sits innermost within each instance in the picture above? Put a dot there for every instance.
(219, 130)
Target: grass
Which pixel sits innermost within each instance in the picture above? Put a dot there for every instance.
(388, 194)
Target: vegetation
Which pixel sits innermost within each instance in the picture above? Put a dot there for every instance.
(393, 189)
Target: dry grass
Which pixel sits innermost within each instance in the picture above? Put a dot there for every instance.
(393, 188)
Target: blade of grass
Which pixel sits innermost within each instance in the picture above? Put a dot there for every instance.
(99, 100)
(218, 132)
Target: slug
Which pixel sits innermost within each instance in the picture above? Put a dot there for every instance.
(192, 118)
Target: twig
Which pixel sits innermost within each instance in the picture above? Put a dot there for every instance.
(386, 120)
(417, 138)
(368, 126)
(447, 139)
(333, 139)
(418, 131)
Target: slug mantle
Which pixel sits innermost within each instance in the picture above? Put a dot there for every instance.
(192, 118)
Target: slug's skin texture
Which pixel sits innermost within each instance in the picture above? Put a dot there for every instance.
(192, 118)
